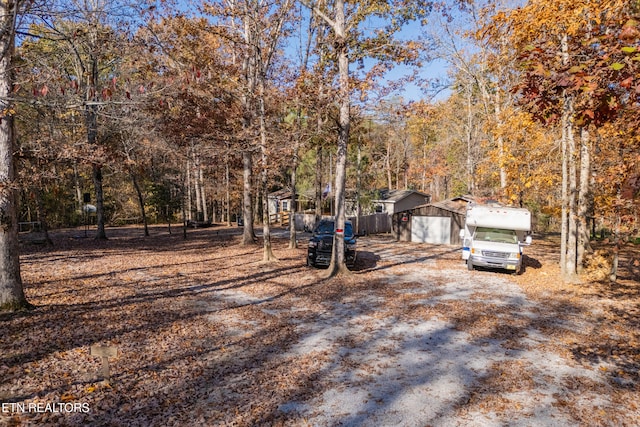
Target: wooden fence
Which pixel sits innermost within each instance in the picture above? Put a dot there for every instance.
(378, 223)
(281, 218)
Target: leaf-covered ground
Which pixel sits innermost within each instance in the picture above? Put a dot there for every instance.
(209, 335)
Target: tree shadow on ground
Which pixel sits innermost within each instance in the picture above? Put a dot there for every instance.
(366, 260)
(236, 342)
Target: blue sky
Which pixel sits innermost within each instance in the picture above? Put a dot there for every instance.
(431, 70)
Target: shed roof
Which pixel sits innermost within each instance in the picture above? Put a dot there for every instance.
(393, 196)
(456, 204)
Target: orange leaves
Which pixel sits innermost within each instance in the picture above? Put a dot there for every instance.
(630, 31)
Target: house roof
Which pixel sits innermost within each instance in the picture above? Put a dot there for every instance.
(393, 196)
(285, 193)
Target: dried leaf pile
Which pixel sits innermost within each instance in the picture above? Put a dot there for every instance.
(207, 334)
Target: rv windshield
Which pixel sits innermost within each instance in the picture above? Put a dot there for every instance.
(496, 235)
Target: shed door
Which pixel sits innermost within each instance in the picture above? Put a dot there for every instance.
(431, 229)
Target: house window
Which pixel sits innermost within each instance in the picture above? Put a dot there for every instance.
(285, 206)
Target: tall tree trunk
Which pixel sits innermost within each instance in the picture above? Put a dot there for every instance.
(91, 117)
(203, 194)
(267, 254)
(387, 166)
(569, 180)
(584, 195)
(405, 176)
(100, 219)
(572, 237)
(257, 205)
(249, 72)
(76, 183)
(338, 259)
(501, 151)
(188, 202)
(227, 186)
(469, 137)
(11, 293)
(293, 239)
(567, 130)
(196, 183)
(564, 214)
(358, 184)
(42, 217)
(248, 234)
(318, 182)
(184, 217)
(423, 185)
(143, 212)
(319, 153)
(613, 274)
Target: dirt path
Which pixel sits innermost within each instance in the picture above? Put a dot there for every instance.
(208, 335)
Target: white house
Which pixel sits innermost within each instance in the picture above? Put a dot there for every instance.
(393, 201)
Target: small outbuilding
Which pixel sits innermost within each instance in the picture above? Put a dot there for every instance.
(437, 223)
(393, 201)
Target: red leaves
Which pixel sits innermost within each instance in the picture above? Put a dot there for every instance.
(106, 93)
(630, 31)
(626, 83)
(42, 91)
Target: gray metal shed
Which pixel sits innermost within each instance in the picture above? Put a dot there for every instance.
(438, 222)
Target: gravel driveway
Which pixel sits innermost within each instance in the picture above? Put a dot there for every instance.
(444, 346)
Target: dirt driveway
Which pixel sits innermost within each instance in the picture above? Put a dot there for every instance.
(208, 335)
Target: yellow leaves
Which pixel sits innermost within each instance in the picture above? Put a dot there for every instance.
(7, 112)
(67, 397)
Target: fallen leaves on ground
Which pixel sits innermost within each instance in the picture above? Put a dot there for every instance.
(208, 334)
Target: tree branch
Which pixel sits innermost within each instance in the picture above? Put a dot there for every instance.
(318, 12)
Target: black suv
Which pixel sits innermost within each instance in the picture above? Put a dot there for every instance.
(321, 244)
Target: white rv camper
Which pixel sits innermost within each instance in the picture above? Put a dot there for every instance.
(494, 235)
